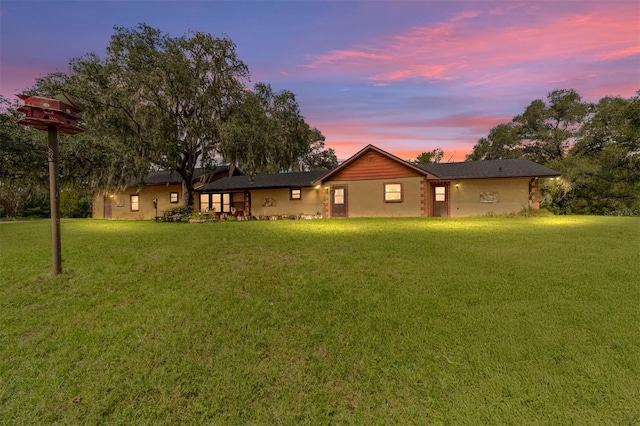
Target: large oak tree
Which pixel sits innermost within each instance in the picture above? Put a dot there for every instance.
(158, 100)
(161, 102)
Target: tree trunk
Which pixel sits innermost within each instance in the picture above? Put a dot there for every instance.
(10, 209)
(187, 195)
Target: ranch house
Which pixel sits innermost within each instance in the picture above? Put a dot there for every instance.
(372, 183)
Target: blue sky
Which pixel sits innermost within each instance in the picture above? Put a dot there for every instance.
(406, 76)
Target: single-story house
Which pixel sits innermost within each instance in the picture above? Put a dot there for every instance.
(157, 193)
(372, 183)
(375, 183)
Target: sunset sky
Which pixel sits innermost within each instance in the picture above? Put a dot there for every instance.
(406, 76)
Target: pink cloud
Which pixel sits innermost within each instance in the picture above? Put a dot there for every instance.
(470, 123)
(456, 134)
(467, 14)
(613, 89)
(495, 50)
(419, 71)
(474, 123)
(349, 54)
(630, 51)
(352, 56)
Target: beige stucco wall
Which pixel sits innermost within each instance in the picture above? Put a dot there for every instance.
(121, 202)
(365, 198)
(512, 196)
(276, 202)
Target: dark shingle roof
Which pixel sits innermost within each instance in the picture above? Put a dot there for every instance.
(273, 180)
(173, 177)
(518, 167)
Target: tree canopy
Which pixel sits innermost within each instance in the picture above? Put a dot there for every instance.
(23, 157)
(596, 147)
(162, 102)
(267, 133)
(433, 156)
(24, 171)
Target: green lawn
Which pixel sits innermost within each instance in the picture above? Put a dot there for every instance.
(390, 321)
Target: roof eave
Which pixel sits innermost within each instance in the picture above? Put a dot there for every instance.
(532, 175)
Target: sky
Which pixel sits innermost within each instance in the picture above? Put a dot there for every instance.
(406, 76)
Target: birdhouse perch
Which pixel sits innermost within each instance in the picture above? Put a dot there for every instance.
(60, 112)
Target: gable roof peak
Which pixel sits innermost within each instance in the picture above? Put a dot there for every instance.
(361, 154)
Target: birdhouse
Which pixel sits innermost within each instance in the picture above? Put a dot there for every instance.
(41, 113)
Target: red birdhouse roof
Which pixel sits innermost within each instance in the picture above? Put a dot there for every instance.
(42, 113)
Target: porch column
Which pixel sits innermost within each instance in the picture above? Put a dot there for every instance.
(424, 198)
(534, 194)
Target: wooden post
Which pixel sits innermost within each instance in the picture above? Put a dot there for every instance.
(52, 114)
(54, 196)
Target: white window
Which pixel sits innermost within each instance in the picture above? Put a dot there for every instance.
(135, 203)
(440, 193)
(226, 203)
(220, 203)
(173, 197)
(296, 194)
(216, 202)
(393, 192)
(204, 202)
(338, 196)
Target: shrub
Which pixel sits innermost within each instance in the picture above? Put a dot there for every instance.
(178, 214)
(209, 216)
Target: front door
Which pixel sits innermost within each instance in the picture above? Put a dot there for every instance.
(440, 199)
(107, 207)
(339, 201)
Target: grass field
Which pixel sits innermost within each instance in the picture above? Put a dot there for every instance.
(390, 321)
